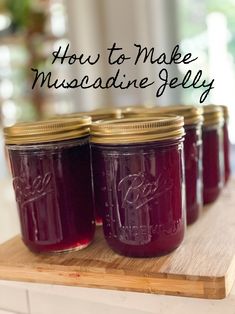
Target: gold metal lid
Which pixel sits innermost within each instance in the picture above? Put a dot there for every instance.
(98, 114)
(137, 130)
(134, 108)
(213, 114)
(225, 111)
(192, 114)
(105, 113)
(51, 130)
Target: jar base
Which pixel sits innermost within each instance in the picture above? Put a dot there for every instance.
(73, 248)
(193, 215)
(227, 178)
(209, 196)
(150, 255)
(98, 222)
(143, 252)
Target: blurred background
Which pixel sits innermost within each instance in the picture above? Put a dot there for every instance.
(31, 29)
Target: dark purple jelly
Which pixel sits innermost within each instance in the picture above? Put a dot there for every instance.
(52, 183)
(193, 171)
(227, 169)
(139, 192)
(103, 113)
(212, 138)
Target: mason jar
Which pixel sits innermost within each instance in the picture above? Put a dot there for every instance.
(213, 153)
(97, 114)
(227, 166)
(192, 150)
(50, 163)
(139, 184)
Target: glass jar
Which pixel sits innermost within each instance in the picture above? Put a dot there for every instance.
(50, 162)
(103, 114)
(139, 183)
(98, 114)
(192, 151)
(213, 156)
(227, 167)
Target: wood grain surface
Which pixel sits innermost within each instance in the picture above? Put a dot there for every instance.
(203, 266)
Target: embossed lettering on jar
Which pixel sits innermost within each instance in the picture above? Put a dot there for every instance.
(138, 184)
(50, 164)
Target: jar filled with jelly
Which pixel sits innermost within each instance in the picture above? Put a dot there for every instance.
(227, 167)
(50, 163)
(192, 151)
(98, 114)
(139, 183)
(213, 154)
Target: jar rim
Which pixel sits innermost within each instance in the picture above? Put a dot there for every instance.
(225, 112)
(192, 114)
(105, 113)
(97, 114)
(213, 114)
(50, 130)
(137, 130)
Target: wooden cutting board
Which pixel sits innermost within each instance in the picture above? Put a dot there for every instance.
(203, 266)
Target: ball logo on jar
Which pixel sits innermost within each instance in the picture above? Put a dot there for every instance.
(136, 191)
(27, 193)
(140, 189)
